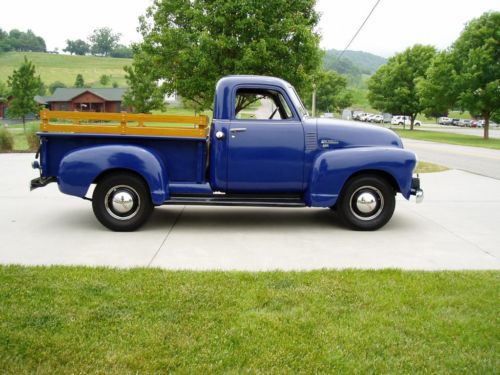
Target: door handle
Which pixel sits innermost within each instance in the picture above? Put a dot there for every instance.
(238, 130)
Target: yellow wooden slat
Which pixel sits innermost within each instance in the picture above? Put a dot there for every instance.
(200, 124)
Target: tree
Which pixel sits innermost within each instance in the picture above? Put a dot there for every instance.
(476, 58)
(103, 41)
(393, 87)
(4, 92)
(104, 79)
(436, 91)
(331, 92)
(77, 47)
(24, 86)
(55, 85)
(189, 45)
(42, 88)
(21, 41)
(4, 41)
(143, 94)
(79, 82)
(121, 51)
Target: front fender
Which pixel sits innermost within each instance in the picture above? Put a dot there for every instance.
(79, 169)
(333, 168)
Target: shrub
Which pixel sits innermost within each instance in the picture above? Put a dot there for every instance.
(6, 139)
(104, 80)
(32, 138)
(55, 85)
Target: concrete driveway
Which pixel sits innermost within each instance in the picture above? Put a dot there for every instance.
(456, 227)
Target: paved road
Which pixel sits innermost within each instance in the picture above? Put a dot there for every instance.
(478, 160)
(455, 228)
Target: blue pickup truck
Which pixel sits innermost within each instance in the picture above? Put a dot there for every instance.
(260, 149)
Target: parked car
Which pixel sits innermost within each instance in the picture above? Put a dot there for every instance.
(404, 120)
(464, 123)
(480, 124)
(271, 155)
(358, 116)
(473, 123)
(444, 121)
(377, 119)
(364, 117)
(454, 121)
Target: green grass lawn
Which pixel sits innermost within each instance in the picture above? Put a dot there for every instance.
(424, 167)
(455, 139)
(64, 68)
(85, 320)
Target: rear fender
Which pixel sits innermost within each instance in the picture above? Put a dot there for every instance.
(80, 168)
(333, 168)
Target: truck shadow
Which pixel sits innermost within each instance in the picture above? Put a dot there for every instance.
(204, 218)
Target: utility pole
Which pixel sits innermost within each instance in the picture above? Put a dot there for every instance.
(314, 101)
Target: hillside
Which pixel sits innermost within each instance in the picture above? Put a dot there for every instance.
(353, 62)
(64, 68)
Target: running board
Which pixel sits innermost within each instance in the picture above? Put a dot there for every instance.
(249, 201)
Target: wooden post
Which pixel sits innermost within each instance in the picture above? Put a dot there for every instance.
(45, 120)
(123, 123)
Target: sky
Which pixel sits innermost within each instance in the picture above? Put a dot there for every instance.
(393, 26)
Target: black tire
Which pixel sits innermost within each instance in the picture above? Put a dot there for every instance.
(126, 214)
(366, 202)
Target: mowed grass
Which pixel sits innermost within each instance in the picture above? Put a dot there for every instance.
(425, 167)
(64, 68)
(455, 139)
(20, 141)
(87, 320)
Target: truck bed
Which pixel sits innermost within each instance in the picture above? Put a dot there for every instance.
(179, 141)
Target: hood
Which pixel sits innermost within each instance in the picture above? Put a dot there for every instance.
(333, 133)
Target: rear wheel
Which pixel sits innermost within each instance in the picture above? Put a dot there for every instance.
(121, 202)
(366, 202)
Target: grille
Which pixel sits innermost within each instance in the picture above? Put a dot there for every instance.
(311, 141)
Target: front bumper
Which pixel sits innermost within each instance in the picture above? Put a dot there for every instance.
(416, 190)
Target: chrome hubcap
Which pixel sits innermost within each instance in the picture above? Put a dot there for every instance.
(367, 203)
(122, 202)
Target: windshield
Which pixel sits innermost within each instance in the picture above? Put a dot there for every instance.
(297, 102)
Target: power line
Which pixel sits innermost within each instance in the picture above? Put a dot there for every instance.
(357, 32)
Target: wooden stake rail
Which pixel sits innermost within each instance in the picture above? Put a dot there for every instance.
(122, 124)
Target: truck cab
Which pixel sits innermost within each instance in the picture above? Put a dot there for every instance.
(260, 149)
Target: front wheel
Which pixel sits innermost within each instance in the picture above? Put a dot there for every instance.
(366, 202)
(121, 202)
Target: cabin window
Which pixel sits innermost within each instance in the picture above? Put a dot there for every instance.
(259, 104)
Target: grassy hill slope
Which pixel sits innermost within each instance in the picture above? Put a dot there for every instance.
(64, 68)
(357, 67)
(367, 63)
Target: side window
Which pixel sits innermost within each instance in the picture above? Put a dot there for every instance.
(261, 104)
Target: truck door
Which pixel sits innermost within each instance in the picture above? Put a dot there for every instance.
(265, 143)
